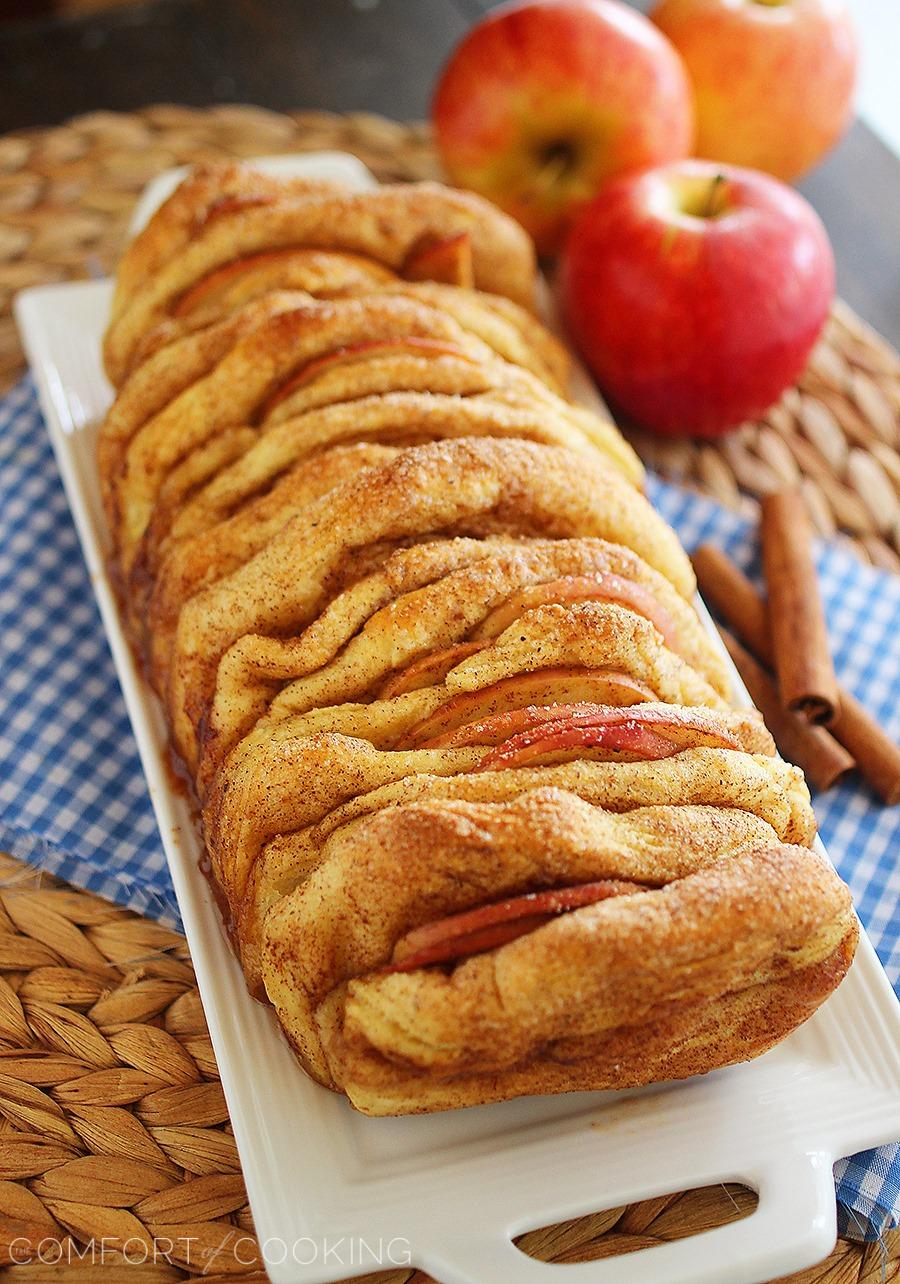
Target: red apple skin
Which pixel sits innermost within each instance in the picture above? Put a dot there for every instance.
(692, 324)
(543, 102)
(773, 82)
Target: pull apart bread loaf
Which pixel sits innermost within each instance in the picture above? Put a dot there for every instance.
(474, 796)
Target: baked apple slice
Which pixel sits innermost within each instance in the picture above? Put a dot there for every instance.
(429, 670)
(211, 286)
(357, 352)
(456, 937)
(503, 727)
(233, 203)
(646, 735)
(561, 685)
(448, 261)
(597, 586)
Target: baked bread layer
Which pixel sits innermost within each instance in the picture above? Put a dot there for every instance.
(703, 1035)
(385, 225)
(478, 810)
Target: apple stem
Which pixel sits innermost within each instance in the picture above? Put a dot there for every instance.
(556, 160)
(712, 200)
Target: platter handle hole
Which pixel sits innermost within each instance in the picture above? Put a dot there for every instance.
(636, 1226)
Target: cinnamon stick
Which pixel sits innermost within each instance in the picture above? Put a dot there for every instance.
(808, 746)
(877, 756)
(728, 591)
(802, 659)
(734, 598)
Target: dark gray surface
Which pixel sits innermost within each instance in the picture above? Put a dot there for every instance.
(856, 190)
(340, 55)
(371, 55)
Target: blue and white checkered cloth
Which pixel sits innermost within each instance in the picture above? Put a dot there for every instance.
(72, 794)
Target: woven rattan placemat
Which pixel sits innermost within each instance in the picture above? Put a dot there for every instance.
(66, 194)
(113, 1128)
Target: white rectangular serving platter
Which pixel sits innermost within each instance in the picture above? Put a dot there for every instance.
(335, 1194)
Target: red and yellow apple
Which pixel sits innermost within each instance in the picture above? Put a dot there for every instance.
(544, 102)
(773, 79)
(695, 293)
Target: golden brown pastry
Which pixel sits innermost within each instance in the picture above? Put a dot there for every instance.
(582, 1003)
(596, 653)
(452, 948)
(255, 381)
(476, 805)
(467, 487)
(386, 225)
(426, 609)
(277, 798)
(206, 191)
